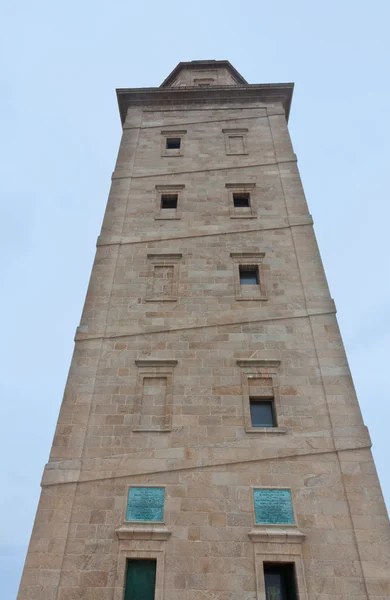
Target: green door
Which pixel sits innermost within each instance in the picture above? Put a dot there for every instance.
(140, 580)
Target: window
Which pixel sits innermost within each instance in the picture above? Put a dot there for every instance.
(173, 143)
(260, 396)
(262, 412)
(279, 579)
(249, 275)
(241, 200)
(169, 201)
(140, 579)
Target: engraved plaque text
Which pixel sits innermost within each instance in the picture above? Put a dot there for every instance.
(145, 504)
(273, 507)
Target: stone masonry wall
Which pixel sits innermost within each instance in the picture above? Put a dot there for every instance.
(193, 342)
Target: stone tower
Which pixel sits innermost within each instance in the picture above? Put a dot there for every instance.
(210, 444)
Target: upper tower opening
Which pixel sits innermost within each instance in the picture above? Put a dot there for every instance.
(204, 73)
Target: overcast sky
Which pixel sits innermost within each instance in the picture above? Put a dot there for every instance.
(61, 63)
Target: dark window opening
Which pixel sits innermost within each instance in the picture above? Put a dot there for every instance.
(173, 143)
(241, 200)
(203, 85)
(169, 201)
(280, 581)
(262, 412)
(140, 579)
(249, 275)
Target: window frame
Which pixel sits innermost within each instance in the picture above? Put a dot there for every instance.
(164, 197)
(263, 400)
(249, 212)
(252, 369)
(172, 133)
(250, 292)
(253, 269)
(141, 552)
(283, 566)
(165, 214)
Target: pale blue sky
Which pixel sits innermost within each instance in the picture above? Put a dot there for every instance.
(61, 63)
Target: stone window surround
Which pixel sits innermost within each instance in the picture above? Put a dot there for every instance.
(260, 369)
(163, 260)
(293, 556)
(141, 549)
(229, 133)
(249, 259)
(172, 133)
(241, 188)
(150, 369)
(162, 213)
(196, 74)
(206, 81)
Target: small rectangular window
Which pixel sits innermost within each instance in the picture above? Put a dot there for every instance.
(140, 579)
(262, 412)
(249, 275)
(241, 200)
(169, 201)
(173, 143)
(279, 579)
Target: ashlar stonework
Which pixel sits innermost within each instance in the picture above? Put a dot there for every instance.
(197, 306)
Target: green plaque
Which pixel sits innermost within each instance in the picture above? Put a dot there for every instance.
(273, 507)
(145, 504)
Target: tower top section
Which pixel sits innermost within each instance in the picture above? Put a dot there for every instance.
(205, 82)
(203, 73)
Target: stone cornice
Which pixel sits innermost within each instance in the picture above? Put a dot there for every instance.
(277, 535)
(145, 532)
(266, 92)
(155, 362)
(257, 362)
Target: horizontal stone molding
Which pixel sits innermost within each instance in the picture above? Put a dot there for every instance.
(233, 186)
(173, 131)
(277, 535)
(259, 362)
(272, 113)
(118, 175)
(155, 362)
(279, 94)
(235, 131)
(164, 257)
(251, 315)
(194, 457)
(284, 223)
(142, 533)
(247, 256)
(173, 186)
(266, 430)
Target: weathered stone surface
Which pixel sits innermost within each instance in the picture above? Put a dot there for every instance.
(168, 352)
